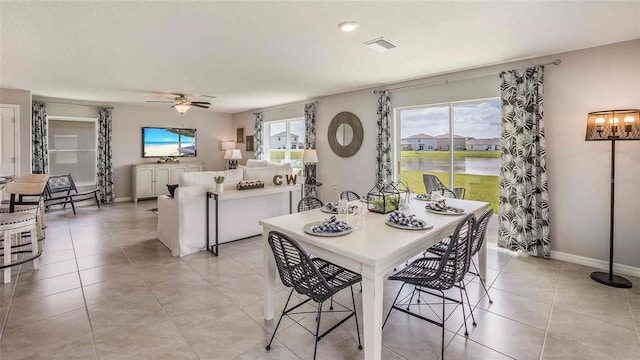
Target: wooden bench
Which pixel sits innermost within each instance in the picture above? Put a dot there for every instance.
(64, 184)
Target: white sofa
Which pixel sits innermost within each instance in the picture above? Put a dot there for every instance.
(182, 219)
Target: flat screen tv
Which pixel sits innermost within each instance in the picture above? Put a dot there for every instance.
(159, 142)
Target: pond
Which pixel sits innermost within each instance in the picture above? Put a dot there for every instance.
(467, 165)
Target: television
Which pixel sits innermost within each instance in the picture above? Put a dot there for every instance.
(175, 142)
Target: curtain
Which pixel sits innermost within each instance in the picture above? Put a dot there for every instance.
(383, 156)
(310, 142)
(104, 176)
(40, 157)
(524, 197)
(257, 136)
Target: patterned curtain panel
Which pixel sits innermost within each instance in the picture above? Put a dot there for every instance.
(105, 166)
(310, 141)
(310, 125)
(383, 156)
(40, 156)
(524, 197)
(257, 136)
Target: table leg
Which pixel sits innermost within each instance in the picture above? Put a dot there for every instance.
(482, 260)
(269, 266)
(372, 295)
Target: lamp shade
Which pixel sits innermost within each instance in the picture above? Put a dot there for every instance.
(613, 125)
(228, 145)
(182, 108)
(227, 154)
(310, 156)
(235, 154)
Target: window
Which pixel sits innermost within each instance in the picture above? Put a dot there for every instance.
(73, 148)
(286, 139)
(473, 162)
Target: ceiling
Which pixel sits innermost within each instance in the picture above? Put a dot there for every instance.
(258, 54)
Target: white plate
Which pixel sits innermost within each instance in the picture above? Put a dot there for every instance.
(445, 212)
(307, 229)
(403, 227)
(325, 209)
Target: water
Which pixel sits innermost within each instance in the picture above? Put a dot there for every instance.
(468, 165)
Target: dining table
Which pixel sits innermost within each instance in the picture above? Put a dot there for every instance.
(373, 249)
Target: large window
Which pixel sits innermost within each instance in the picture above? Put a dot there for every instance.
(285, 141)
(458, 142)
(72, 148)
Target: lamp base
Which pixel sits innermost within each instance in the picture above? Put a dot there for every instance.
(615, 280)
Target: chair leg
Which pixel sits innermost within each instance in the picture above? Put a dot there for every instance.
(279, 320)
(95, 194)
(355, 314)
(466, 294)
(392, 305)
(331, 305)
(444, 317)
(464, 314)
(482, 281)
(411, 299)
(315, 348)
(7, 256)
(73, 207)
(34, 248)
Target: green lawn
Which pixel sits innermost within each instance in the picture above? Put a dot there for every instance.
(278, 155)
(411, 154)
(478, 187)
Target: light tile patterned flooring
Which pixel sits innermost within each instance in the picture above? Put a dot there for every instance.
(107, 289)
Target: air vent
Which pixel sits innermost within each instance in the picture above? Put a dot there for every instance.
(380, 44)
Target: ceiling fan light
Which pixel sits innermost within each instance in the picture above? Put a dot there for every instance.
(182, 108)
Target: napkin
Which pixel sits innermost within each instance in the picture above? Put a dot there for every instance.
(441, 205)
(331, 225)
(423, 197)
(399, 218)
(333, 207)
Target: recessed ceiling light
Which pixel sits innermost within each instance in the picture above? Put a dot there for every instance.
(347, 26)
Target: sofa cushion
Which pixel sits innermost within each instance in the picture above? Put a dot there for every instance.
(231, 178)
(266, 174)
(258, 163)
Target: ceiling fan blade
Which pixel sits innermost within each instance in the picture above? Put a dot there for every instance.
(208, 96)
(201, 102)
(160, 101)
(200, 106)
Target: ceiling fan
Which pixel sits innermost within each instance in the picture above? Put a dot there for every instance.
(182, 103)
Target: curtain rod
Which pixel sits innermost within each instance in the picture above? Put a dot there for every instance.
(554, 62)
(283, 107)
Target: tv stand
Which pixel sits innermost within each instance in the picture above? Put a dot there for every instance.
(150, 180)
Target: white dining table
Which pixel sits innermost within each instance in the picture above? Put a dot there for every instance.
(373, 250)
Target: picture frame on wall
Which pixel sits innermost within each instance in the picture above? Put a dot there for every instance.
(240, 135)
(249, 143)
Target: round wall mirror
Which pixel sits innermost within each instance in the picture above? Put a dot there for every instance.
(345, 134)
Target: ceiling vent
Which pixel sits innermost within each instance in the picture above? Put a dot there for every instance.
(380, 44)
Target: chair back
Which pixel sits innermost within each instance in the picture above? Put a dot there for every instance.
(60, 183)
(480, 231)
(432, 182)
(309, 203)
(457, 257)
(349, 195)
(296, 268)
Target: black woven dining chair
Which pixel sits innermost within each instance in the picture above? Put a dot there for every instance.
(432, 184)
(438, 274)
(349, 195)
(309, 203)
(315, 278)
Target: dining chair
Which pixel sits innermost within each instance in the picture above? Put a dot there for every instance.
(309, 203)
(315, 278)
(479, 235)
(432, 184)
(438, 273)
(349, 195)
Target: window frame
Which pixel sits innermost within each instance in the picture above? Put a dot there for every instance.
(287, 150)
(78, 119)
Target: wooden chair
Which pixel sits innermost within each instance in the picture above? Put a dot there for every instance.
(64, 184)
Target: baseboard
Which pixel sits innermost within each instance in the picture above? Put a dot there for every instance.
(595, 263)
(123, 199)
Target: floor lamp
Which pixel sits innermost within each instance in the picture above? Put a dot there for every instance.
(612, 125)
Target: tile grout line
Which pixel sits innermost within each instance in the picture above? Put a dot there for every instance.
(13, 293)
(151, 292)
(635, 324)
(546, 332)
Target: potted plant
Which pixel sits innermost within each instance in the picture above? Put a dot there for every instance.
(219, 183)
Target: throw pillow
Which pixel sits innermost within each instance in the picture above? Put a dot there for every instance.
(172, 189)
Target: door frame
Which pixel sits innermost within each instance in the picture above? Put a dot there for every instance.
(16, 139)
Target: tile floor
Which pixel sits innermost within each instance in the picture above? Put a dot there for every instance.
(107, 289)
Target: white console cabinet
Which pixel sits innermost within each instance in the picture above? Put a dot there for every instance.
(150, 180)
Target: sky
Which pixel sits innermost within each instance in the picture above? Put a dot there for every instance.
(158, 135)
(296, 127)
(478, 120)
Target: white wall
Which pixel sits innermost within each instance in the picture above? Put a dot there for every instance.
(128, 121)
(605, 77)
(22, 98)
